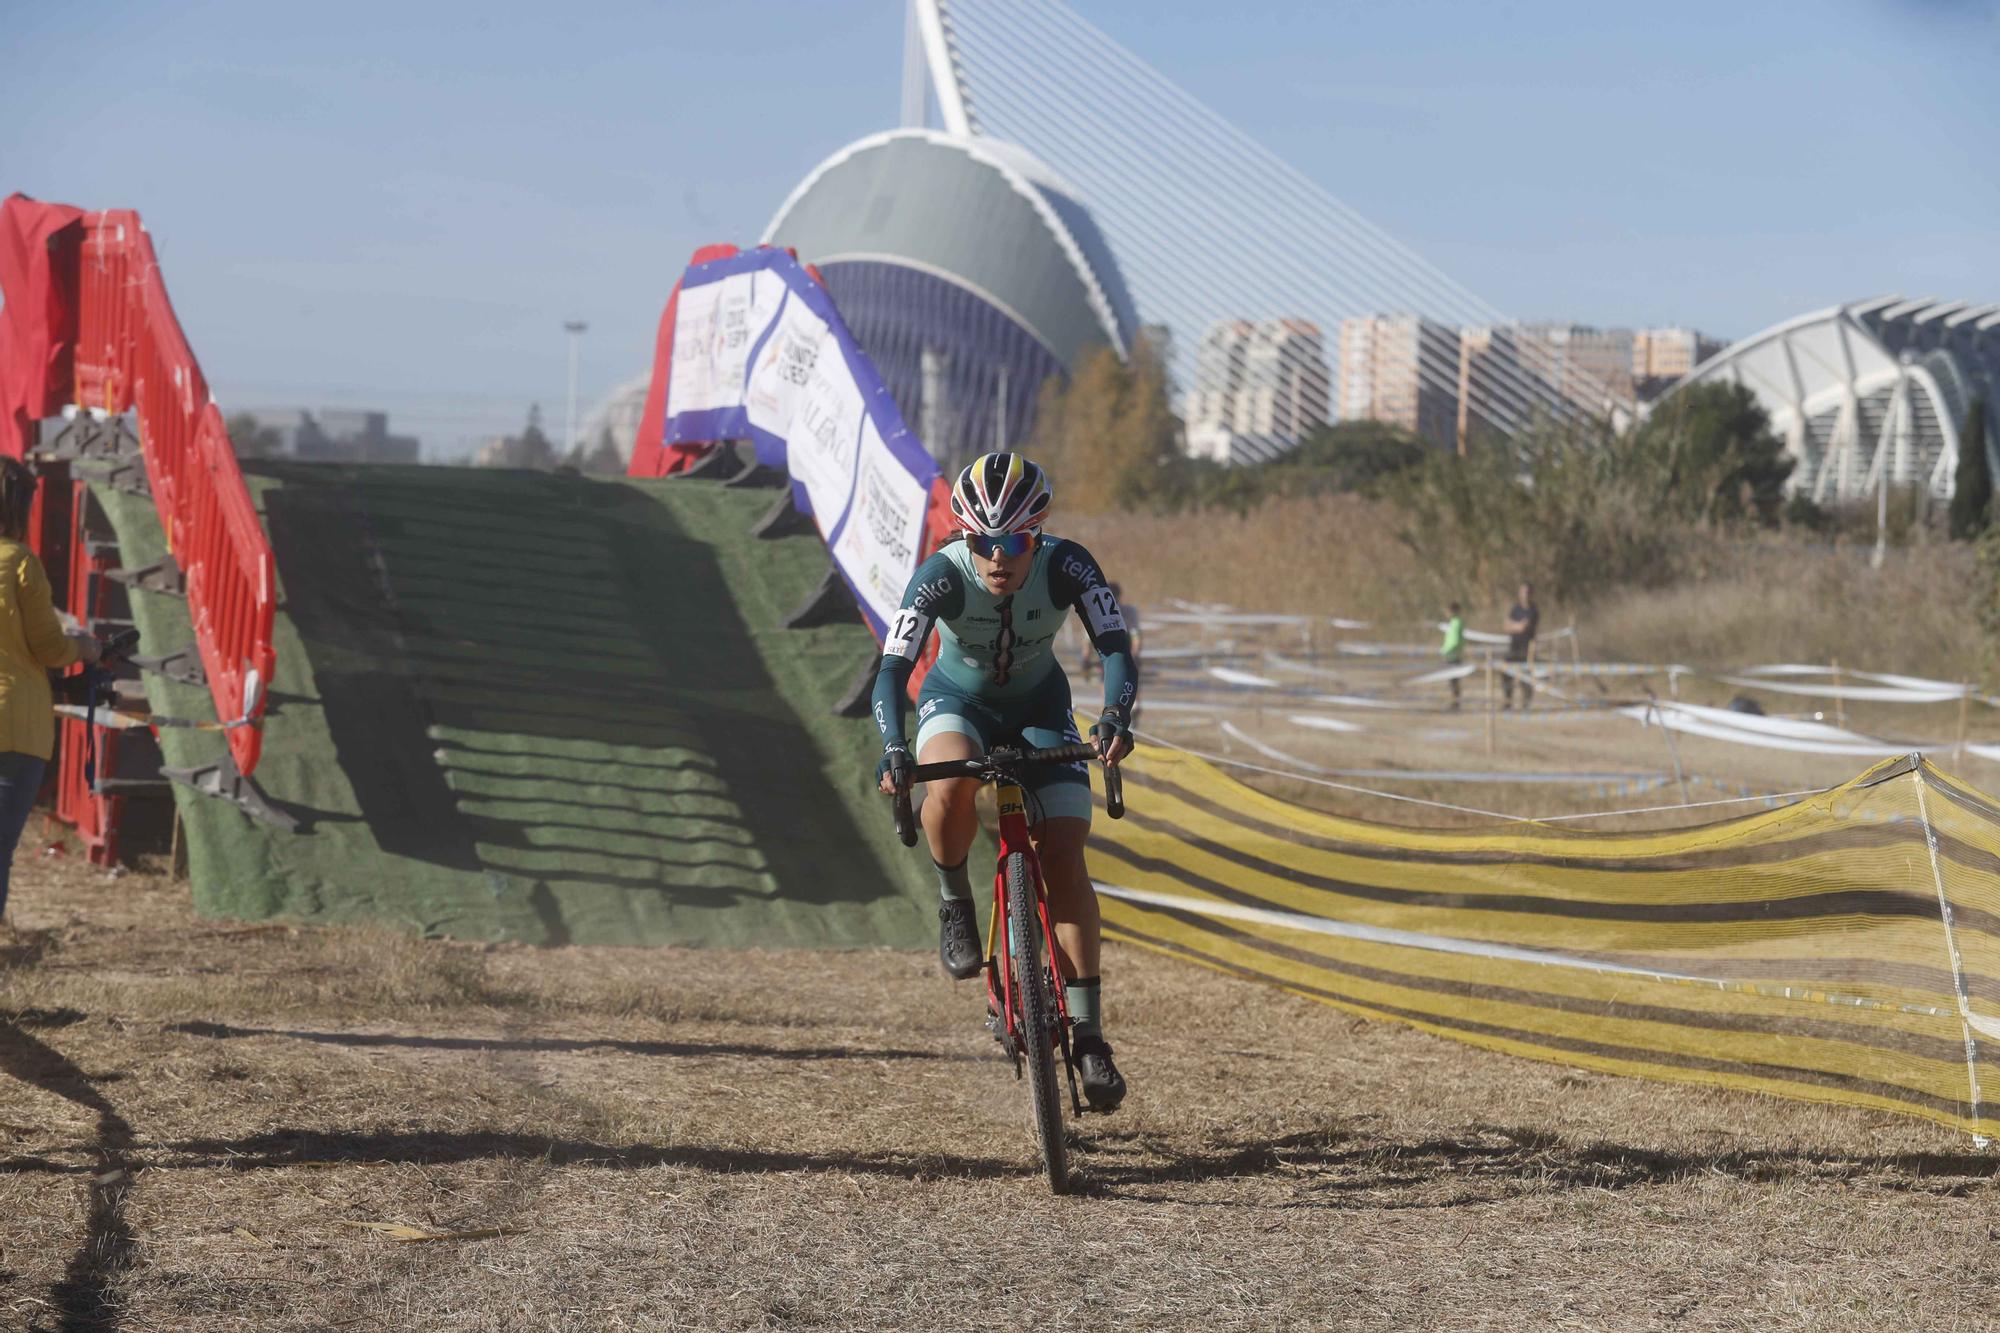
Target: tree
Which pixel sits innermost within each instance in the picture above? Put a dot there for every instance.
(251, 438)
(1350, 456)
(601, 460)
(1708, 452)
(530, 449)
(532, 446)
(1972, 495)
(1106, 435)
(607, 459)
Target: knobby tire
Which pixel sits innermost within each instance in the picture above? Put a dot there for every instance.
(1038, 1018)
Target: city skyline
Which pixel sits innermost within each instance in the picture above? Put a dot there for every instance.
(465, 200)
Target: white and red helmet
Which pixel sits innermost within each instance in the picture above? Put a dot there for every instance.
(998, 494)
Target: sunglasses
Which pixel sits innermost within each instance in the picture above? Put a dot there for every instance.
(1010, 543)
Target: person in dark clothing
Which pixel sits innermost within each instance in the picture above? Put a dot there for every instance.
(1523, 619)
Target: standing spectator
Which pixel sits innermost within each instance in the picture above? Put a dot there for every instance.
(1523, 619)
(1453, 649)
(32, 642)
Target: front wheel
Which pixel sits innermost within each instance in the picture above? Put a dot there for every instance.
(1033, 983)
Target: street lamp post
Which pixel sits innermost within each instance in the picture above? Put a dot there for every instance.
(575, 328)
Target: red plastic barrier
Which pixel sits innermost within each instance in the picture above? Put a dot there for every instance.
(211, 525)
(130, 353)
(110, 265)
(94, 815)
(38, 320)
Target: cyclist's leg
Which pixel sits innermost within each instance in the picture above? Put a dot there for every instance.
(1061, 798)
(951, 727)
(1072, 901)
(949, 730)
(1061, 809)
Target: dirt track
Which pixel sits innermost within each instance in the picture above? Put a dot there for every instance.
(199, 1122)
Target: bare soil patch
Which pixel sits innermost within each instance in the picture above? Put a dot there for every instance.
(201, 1125)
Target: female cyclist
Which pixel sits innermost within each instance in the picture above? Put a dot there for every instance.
(996, 597)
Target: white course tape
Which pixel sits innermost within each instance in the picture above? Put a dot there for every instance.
(1321, 722)
(1623, 782)
(1221, 618)
(1320, 925)
(1385, 649)
(1410, 939)
(1793, 727)
(1231, 676)
(1881, 693)
(1879, 677)
(1167, 654)
(1235, 732)
(1676, 719)
(1442, 674)
(1278, 663)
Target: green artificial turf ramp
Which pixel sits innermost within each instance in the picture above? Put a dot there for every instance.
(517, 706)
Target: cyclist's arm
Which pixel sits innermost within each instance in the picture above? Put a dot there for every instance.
(1075, 580)
(935, 593)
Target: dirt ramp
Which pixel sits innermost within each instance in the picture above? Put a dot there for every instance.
(557, 709)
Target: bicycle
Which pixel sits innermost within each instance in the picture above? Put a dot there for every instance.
(1025, 1009)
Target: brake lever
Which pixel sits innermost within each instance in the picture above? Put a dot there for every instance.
(1114, 792)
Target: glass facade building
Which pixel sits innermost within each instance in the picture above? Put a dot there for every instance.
(968, 273)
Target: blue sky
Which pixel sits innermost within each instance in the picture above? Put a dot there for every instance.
(397, 205)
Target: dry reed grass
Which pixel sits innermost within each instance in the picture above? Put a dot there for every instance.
(195, 1116)
(1773, 598)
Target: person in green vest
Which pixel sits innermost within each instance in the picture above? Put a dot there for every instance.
(1453, 648)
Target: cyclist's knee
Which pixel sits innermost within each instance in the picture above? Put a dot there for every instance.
(1061, 837)
(953, 796)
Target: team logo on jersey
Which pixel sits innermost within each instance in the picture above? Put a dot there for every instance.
(1082, 571)
(932, 592)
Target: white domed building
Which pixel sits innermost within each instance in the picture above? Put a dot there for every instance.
(967, 271)
(1871, 389)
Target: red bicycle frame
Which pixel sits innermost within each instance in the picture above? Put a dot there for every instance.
(1014, 837)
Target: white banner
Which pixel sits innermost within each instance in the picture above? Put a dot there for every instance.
(760, 353)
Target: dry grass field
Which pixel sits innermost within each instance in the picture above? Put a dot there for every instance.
(208, 1126)
(1771, 597)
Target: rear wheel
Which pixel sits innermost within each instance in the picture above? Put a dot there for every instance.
(1035, 987)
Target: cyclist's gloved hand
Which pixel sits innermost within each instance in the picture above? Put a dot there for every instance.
(1113, 734)
(895, 765)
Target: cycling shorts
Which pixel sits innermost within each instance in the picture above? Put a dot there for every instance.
(1041, 718)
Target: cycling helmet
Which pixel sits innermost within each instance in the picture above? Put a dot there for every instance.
(998, 494)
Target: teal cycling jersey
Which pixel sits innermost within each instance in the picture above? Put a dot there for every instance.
(1002, 648)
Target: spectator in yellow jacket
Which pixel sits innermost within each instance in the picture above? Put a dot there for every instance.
(32, 642)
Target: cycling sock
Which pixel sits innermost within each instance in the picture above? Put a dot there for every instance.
(953, 882)
(1082, 998)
